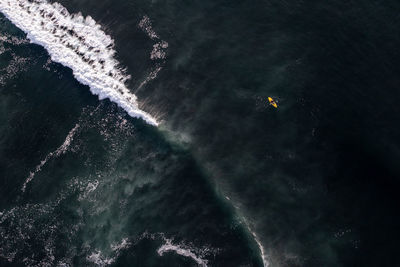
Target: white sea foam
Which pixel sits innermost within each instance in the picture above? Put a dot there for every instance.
(16, 65)
(22, 224)
(262, 250)
(86, 191)
(158, 53)
(264, 256)
(100, 260)
(186, 252)
(145, 25)
(78, 43)
(160, 46)
(152, 75)
(124, 244)
(196, 254)
(12, 39)
(92, 186)
(59, 151)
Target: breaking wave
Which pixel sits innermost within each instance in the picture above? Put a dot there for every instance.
(78, 43)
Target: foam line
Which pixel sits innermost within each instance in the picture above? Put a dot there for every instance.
(168, 246)
(264, 256)
(78, 43)
(59, 151)
(262, 250)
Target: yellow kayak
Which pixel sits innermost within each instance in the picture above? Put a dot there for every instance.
(272, 102)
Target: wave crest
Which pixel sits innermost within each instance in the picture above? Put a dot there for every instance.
(79, 43)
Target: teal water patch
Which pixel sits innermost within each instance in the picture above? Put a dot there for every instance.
(115, 184)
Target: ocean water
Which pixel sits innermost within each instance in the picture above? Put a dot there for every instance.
(138, 133)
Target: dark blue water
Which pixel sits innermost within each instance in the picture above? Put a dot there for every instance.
(225, 179)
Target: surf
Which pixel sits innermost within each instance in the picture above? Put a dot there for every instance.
(78, 43)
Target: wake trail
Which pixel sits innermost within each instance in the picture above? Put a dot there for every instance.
(79, 43)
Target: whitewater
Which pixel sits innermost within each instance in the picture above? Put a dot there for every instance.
(79, 43)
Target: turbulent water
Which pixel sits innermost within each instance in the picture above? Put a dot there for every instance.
(78, 43)
(139, 133)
